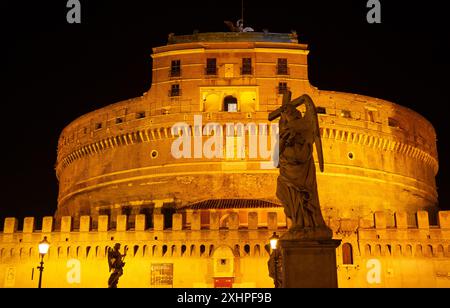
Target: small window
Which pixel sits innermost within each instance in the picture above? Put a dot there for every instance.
(246, 66)
(211, 66)
(119, 120)
(126, 210)
(282, 66)
(223, 261)
(247, 249)
(282, 87)
(347, 254)
(175, 90)
(202, 250)
(370, 116)
(393, 123)
(346, 114)
(140, 115)
(175, 68)
(98, 125)
(104, 211)
(321, 110)
(85, 130)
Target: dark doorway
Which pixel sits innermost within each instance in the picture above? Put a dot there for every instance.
(168, 210)
(223, 282)
(230, 104)
(347, 254)
(147, 210)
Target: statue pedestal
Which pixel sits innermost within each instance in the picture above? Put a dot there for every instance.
(309, 263)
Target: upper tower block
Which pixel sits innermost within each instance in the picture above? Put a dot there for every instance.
(198, 72)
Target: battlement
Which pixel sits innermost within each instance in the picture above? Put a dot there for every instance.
(248, 236)
(189, 222)
(192, 221)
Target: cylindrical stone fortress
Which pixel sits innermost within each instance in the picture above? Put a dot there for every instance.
(119, 159)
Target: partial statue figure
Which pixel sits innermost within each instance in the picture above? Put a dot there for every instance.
(239, 27)
(116, 264)
(296, 184)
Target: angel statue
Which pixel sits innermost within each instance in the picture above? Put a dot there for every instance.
(239, 26)
(296, 184)
(116, 264)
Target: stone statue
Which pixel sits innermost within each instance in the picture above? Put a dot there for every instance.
(296, 184)
(116, 264)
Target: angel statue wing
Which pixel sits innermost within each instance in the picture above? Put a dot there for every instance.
(312, 119)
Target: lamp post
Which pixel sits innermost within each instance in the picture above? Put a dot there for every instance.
(274, 245)
(43, 249)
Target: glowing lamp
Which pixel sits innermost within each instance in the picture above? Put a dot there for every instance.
(274, 241)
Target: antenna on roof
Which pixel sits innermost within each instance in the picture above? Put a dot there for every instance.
(242, 12)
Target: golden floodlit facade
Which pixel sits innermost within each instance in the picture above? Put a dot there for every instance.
(184, 177)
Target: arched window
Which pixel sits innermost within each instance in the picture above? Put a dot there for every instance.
(347, 254)
(247, 249)
(237, 251)
(202, 250)
(440, 251)
(418, 251)
(174, 251)
(398, 250)
(368, 250)
(230, 104)
(429, 251)
(378, 250)
(408, 252)
(257, 250)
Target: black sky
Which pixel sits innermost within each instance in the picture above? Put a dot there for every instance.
(56, 71)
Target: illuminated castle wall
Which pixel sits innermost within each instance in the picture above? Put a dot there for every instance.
(381, 256)
(117, 171)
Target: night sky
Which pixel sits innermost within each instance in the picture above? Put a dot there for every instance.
(57, 71)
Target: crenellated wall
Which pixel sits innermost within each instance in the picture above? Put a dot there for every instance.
(400, 255)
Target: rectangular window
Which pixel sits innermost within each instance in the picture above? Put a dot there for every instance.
(393, 123)
(247, 66)
(321, 110)
(282, 66)
(282, 87)
(175, 68)
(175, 90)
(211, 66)
(370, 116)
(140, 115)
(98, 125)
(119, 120)
(346, 114)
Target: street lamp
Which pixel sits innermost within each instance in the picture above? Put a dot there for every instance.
(274, 245)
(274, 241)
(43, 249)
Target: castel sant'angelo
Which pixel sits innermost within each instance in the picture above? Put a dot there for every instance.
(184, 178)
